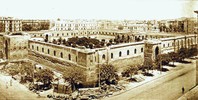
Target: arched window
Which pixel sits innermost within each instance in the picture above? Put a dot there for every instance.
(120, 54)
(42, 49)
(61, 54)
(111, 55)
(127, 52)
(142, 49)
(103, 56)
(69, 57)
(48, 51)
(135, 51)
(54, 53)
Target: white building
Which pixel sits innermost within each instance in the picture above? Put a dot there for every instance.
(66, 25)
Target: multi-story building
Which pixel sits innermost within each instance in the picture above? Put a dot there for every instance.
(65, 25)
(185, 25)
(10, 24)
(189, 25)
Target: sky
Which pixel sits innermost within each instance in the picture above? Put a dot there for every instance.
(98, 9)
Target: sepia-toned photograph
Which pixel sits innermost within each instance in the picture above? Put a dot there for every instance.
(98, 49)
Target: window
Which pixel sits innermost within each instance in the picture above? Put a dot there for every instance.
(135, 51)
(61, 54)
(103, 56)
(69, 57)
(42, 49)
(120, 54)
(48, 51)
(54, 53)
(32, 47)
(127, 52)
(142, 49)
(163, 45)
(37, 48)
(76, 58)
(111, 55)
(168, 44)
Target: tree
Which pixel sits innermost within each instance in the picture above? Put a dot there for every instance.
(173, 56)
(44, 25)
(45, 76)
(64, 41)
(12, 69)
(165, 59)
(27, 68)
(60, 40)
(74, 75)
(54, 41)
(192, 52)
(27, 27)
(147, 65)
(131, 70)
(107, 72)
(182, 53)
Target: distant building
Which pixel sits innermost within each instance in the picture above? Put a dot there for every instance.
(185, 25)
(35, 25)
(189, 25)
(10, 24)
(67, 25)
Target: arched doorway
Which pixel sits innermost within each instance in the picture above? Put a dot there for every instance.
(156, 51)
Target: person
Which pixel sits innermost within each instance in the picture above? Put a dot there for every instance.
(11, 82)
(183, 90)
(6, 85)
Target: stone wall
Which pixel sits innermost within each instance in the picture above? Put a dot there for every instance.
(122, 64)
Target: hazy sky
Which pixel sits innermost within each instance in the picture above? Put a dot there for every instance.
(98, 9)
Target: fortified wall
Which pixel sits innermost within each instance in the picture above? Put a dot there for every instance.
(61, 57)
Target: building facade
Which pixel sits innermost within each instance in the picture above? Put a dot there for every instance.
(10, 24)
(63, 56)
